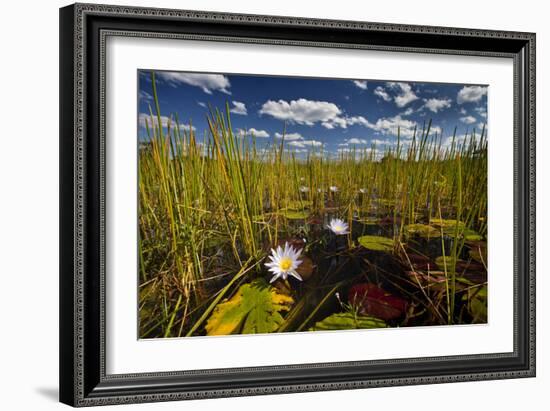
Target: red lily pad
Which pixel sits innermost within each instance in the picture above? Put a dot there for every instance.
(377, 302)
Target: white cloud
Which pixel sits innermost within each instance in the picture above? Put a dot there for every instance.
(252, 132)
(407, 112)
(290, 136)
(389, 125)
(207, 82)
(301, 111)
(380, 92)
(435, 104)
(405, 93)
(356, 141)
(202, 104)
(482, 111)
(468, 119)
(164, 120)
(470, 94)
(463, 111)
(344, 122)
(362, 84)
(238, 108)
(143, 95)
(310, 112)
(380, 142)
(305, 143)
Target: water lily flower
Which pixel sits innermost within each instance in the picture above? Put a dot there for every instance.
(304, 189)
(338, 227)
(284, 262)
(334, 189)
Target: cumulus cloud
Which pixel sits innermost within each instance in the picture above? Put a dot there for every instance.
(436, 104)
(405, 94)
(143, 95)
(206, 82)
(362, 84)
(238, 108)
(407, 112)
(252, 132)
(389, 125)
(305, 143)
(468, 119)
(385, 142)
(301, 111)
(482, 111)
(310, 112)
(354, 140)
(344, 122)
(144, 118)
(382, 93)
(470, 94)
(290, 136)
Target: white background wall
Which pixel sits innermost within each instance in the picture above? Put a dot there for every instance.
(29, 204)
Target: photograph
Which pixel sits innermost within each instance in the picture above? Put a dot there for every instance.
(271, 204)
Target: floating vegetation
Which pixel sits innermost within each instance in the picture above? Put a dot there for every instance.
(376, 243)
(347, 321)
(423, 230)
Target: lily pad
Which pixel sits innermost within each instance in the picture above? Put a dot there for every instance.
(298, 204)
(376, 243)
(423, 230)
(471, 235)
(477, 304)
(347, 321)
(255, 308)
(296, 215)
(367, 220)
(479, 254)
(447, 224)
(377, 302)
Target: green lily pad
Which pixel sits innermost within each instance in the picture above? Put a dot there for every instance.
(367, 220)
(255, 308)
(296, 215)
(447, 224)
(376, 243)
(423, 230)
(471, 235)
(479, 255)
(347, 321)
(298, 205)
(477, 304)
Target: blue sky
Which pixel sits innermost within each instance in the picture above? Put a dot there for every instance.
(335, 114)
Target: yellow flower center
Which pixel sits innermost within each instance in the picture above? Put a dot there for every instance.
(285, 264)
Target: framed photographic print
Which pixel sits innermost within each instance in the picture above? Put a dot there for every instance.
(259, 204)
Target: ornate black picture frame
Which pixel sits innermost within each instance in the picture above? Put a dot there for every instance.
(83, 30)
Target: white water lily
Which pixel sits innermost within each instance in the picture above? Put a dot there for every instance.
(334, 189)
(284, 262)
(304, 189)
(338, 227)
